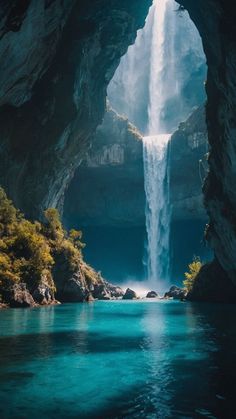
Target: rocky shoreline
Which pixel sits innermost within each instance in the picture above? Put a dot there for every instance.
(19, 296)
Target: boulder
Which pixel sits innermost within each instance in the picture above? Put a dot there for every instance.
(43, 295)
(19, 296)
(152, 294)
(212, 284)
(107, 291)
(75, 290)
(114, 291)
(101, 293)
(130, 295)
(176, 293)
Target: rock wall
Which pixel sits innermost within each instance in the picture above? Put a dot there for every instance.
(108, 188)
(56, 61)
(215, 20)
(188, 168)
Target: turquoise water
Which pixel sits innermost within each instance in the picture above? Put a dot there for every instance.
(118, 360)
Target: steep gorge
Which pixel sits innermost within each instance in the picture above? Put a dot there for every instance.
(53, 97)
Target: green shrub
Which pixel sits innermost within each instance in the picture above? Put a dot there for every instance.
(194, 268)
(28, 249)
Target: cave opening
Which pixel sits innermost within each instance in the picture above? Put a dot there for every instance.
(157, 356)
(157, 88)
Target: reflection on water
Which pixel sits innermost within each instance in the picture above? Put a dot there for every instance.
(118, 360)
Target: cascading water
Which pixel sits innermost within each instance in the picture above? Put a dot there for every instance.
(155, 150)
(169, 40)
(151, 87)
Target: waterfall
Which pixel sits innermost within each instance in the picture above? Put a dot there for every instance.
(157, 207)
(151, 86)
(155, 148)
(169, 42)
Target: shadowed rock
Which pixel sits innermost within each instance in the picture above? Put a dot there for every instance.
(213, 285)
(176, 293)
(18, 296)
(130, 295)
(152, 294)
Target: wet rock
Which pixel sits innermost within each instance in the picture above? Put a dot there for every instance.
(100, 292)
(152, 294)
(89, 298)
(114, 291)
(130, 295)
(107, 291)
(19, 296)
(176, 293)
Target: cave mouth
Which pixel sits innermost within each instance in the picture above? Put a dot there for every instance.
(157, 88)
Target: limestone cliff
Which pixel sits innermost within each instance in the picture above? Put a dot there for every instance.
(108, 188)
(188, 168)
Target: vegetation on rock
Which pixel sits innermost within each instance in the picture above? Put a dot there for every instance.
(194, 269)
(29, 250)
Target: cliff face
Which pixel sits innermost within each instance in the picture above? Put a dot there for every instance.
(188, 167)
(56, 61)
(108, 188)
(215, 21)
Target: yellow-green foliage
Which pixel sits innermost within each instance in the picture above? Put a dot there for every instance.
(28, 249)
(69, 245)
(91, 276)
(194, 268)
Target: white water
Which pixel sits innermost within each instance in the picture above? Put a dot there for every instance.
(156, 185)
(163, 83)
(155, 149)
(134, 90)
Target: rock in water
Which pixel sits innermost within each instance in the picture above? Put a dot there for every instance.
(176, 293)
(43, 295)
(75, 289)
(107, 291)
(19, 296)
(130, 295)
(152, 294)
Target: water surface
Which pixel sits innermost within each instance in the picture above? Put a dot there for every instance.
(118, 360)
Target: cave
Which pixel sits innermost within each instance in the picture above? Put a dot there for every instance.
(51, 130)
(68, 135)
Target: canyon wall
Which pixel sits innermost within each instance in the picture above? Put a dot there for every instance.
(188, 168)
(56, 61)
(108, 188)
(215, 20)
